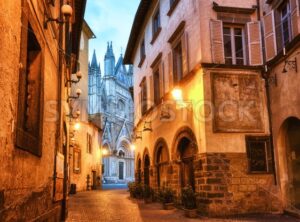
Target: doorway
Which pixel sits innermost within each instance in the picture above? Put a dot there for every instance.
(139, 171)
(147, 170)
(187, 163)
(94, 175)
(121, 170)
(293, 160)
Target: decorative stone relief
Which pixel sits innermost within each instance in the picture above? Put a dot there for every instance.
(237, 102)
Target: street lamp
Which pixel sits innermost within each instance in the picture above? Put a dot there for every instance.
(77, 126)
(177, 94)
(104, 151)
(132, 147)
(78, 93)
(66, 11)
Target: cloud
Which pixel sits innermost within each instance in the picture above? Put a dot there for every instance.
(110, 20)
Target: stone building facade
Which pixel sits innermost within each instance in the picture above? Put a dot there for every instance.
(111, 106)
(86, 156)
(34, 143)
(202, 115)
(282, 28)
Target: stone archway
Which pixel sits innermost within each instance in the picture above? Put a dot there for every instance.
(146, 161)
(184, 151)
(289, 158)
(139, 169)
(161, 161)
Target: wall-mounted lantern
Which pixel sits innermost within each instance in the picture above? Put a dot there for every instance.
(147, 126)
(74, 116)
(78, 93)
(290, 65)
(138, 135)
(164, 112)
(132, 147)
(66, 11)
(72, 81)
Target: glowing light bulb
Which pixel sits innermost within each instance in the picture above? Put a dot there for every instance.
(104, 152)
(177, 94)
(132, 147)
(77, 126)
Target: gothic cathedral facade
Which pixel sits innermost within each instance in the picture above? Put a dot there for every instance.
(111, 105)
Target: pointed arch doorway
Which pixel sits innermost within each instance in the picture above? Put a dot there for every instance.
(147, 170)
(293, 159)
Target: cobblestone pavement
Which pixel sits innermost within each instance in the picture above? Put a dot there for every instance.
(116, 205)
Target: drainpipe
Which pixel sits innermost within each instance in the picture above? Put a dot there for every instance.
(265, 76)
(58, 120)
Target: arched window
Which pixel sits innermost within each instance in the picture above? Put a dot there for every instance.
(121, 105)
(121, 153)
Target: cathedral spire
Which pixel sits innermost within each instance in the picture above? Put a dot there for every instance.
(94, 63)
(109, 60)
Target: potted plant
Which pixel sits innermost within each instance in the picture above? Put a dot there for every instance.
(148, 194)
(167, 196)
(131, 189)
(138, 192)
(188, 199)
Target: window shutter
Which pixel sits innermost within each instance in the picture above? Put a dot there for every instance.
(161, 80)
(294, 4)
(270, 40)
(170, 63)
(278, 30)
(254, 43)
(151, 91)
(217, 44)
(185, 53)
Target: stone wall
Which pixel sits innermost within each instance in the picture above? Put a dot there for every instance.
(26, 181)
(226, 188)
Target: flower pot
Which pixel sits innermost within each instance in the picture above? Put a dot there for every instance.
(190, 213)
(168, 206)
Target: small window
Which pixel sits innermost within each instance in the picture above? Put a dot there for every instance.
(76, 160)
(143, 97)
(156, 22)
(234, 45)
(286, 23)
(156, 87)
(177, 63)
(260, 157)
(29, 123)
(89, 143)
(121, 105)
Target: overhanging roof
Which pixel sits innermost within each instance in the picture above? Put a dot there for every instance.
(87, 29)
(138, 23)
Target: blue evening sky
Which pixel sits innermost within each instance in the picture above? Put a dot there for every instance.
(110, 20)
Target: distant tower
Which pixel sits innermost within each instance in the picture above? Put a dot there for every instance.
(109, 61)
(94, 84)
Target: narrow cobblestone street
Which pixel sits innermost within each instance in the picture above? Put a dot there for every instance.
(116, 205)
